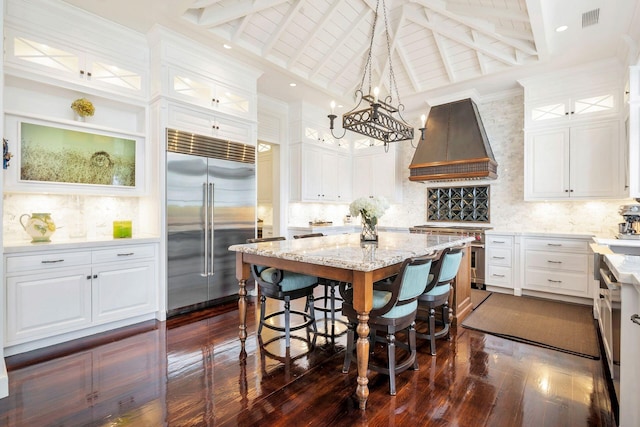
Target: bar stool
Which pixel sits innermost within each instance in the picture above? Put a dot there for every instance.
(330, 296)
(284, 286)
(445, 269)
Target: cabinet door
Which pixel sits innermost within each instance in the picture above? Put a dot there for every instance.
(330, 181)
(344, 178)
(547, 165)
(362, 176)
(311, 174)
(595, 169)
(374, 173)
(205, 123)
(115, 76)
(122, 290)
(208, 93)
(46, 304)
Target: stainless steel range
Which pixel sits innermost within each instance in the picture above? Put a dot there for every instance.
(477, 246)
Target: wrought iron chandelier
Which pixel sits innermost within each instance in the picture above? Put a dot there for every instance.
(380, 119)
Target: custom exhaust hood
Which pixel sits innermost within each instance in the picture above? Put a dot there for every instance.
(455, 146)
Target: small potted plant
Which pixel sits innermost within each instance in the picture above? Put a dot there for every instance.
(83, 108)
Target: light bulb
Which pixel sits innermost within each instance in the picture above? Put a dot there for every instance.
(423, 119)
(376, 91)
(333, 106)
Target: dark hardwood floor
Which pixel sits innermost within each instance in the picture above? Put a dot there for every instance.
(186, 372)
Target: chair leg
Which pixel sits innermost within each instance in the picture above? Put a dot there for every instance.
(432, 330)
(333, 304)
(412, 345)
(391, 356)
(349, 351)
(263, 300)
(312, 312)
(287, 324)
(445, 319)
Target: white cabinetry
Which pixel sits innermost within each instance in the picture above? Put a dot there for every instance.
(376, 173)
(582, 161)
(58, 291)
(634, 131)
(320, 174)
(629, 354)
(204, 122)
(500, 260)
(573, 131)
(556, 265)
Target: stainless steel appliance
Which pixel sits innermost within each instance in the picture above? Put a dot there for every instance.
(477, 246)
(211, 204)
(630, 228)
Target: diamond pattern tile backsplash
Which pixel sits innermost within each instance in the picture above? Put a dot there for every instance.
(466, 204)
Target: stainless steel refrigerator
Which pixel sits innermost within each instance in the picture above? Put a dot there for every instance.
(211, 204)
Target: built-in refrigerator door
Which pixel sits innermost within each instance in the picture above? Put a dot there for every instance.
(234, 201)
(187, 271)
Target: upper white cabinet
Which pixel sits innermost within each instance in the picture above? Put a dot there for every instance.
(211, 94)
(319, 174)
(573, 134)
(591, 104)
(576, 162)
(376, 172)
(207, 123)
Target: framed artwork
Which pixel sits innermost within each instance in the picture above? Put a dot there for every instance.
(62, 157)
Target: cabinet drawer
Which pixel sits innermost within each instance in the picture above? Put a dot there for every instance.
(498, 256)
(29, 263)
(557, 261)
(561, 245)
(557, 282)
(499, 241)
(123, 253)
(499, 276)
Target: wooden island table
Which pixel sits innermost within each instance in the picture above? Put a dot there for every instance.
(344, 258)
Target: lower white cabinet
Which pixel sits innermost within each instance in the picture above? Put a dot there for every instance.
(556, 265)
(629, 355)
(54, 292)
(499, 260)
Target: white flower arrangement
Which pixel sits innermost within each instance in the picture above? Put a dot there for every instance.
(371, 208)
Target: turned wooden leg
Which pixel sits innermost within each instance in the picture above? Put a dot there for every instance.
(362, 349)
(242, 309)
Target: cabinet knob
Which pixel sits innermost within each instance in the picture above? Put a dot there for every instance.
(89, 277)
(566, 191)
(81, 73)
(89, 75)
(95, 276)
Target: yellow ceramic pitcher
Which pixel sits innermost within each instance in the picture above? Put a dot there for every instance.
(39, 226)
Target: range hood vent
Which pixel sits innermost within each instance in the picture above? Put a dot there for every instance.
(455, 146)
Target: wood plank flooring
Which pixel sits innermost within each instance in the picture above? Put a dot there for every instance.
(186, 372)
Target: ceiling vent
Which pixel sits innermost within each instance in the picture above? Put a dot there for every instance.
(590, 18)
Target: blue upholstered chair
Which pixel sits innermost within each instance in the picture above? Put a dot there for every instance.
(394, 309)
(284, 286)
(445, 269)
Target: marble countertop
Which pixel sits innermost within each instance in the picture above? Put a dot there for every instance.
(626, 268)
(25, 245)
(346, 251)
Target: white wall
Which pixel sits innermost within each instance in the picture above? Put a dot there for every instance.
(504, 121)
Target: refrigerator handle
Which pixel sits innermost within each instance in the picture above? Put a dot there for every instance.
(212, 205)
(205, 196)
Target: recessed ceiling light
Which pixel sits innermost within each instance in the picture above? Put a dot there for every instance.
(292, 84)
(226, 46)
(561, 28)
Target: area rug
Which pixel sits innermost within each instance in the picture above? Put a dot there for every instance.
(478, 296)
(561, 326)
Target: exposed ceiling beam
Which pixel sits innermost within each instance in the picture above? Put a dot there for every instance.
(314, 34)
(446, 62)
(481, 61)
(237, 32)
(488, 13)
(282, 27)
(215, 16)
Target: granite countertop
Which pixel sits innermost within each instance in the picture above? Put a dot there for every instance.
(346, 251)
(25, 245)
(626, 268)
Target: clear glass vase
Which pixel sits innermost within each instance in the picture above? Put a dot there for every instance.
(369, 231)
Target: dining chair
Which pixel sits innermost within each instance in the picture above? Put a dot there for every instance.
(445, 269)
(394, 309)
(330, 296)
(284, 286)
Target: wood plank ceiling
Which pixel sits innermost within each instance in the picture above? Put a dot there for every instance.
(432, 43)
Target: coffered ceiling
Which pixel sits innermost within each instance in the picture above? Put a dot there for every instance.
(436, 46)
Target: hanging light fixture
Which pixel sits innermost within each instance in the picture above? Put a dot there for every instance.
(379, 119)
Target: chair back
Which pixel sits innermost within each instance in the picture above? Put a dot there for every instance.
(408, 285)
(304, 236)
(446, 268)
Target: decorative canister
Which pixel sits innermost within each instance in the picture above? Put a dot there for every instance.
(39, 226)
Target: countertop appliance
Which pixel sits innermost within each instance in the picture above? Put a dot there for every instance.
(211, 205)
(630, 228)
(477, 246)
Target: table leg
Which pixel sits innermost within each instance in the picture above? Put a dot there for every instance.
(242, 309)
(362, 349)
